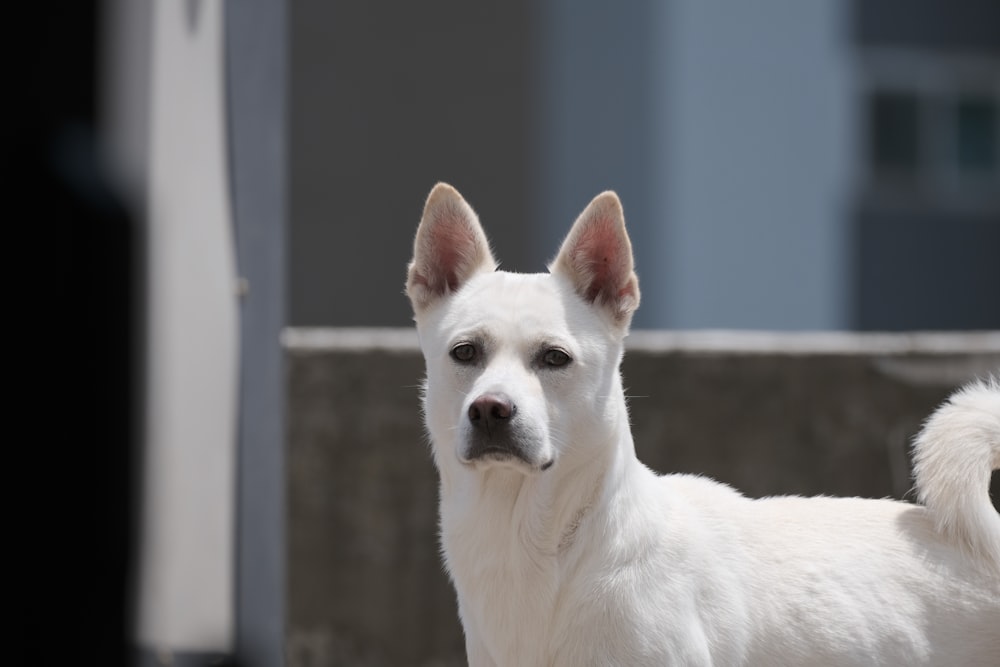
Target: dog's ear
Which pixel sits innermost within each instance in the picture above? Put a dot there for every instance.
(450, 248)
(597, 259)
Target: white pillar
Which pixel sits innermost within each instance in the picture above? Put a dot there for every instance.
(185, 582)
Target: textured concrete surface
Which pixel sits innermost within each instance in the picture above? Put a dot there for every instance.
(767, 413)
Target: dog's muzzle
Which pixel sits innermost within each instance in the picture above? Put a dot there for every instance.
(495, 433)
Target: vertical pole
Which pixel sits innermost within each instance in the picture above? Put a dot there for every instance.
(256, 62)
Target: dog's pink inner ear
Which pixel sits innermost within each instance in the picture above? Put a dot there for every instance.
(597, 257)
(450, 247)
(450, 252)
(599, 254)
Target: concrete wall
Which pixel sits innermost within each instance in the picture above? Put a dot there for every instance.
(789, 413)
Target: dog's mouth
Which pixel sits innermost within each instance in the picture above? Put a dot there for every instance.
(504, 455)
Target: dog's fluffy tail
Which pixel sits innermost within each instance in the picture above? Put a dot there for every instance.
(954, 456)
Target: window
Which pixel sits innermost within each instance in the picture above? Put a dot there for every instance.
(931, 125)
(894, 131)
(976, 120)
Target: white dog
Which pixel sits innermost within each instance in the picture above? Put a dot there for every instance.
(565, 550)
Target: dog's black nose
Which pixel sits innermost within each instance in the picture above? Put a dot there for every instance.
(491, 409)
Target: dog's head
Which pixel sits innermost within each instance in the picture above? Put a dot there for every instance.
(522, 369)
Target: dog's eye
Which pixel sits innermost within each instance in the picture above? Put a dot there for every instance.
(464, 353)
(555, 358)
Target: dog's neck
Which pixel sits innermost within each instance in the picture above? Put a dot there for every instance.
(544, 509)
(511, 539)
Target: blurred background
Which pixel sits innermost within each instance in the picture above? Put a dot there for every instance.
(821, 165)
(212, 173)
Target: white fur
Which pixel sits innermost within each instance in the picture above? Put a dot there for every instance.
(596, 560)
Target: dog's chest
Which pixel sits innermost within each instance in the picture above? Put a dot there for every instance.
(507, 583)
(504, 593)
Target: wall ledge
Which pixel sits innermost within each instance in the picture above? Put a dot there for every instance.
(404, 339)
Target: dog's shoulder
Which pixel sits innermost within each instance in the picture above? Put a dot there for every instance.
(699, 490)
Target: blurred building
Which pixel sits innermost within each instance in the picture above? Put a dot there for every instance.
(926, 210)
(783, 165)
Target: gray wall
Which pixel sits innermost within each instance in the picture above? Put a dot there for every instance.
(769, 414)
(385, 100)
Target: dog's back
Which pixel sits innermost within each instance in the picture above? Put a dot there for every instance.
(852, 581)
(788, 580)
